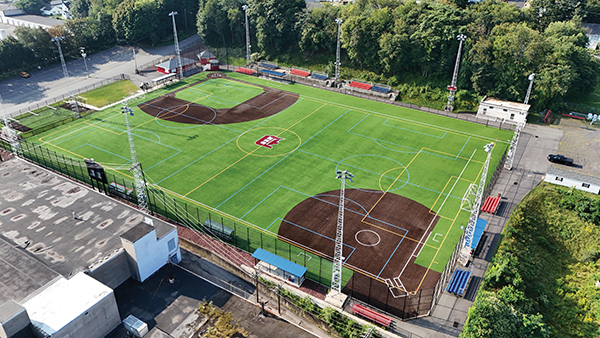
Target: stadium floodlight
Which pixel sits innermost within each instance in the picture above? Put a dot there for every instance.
(530, 78)
(136, 167)
(337, 51)
(172, 14)
(452, 87)
(74, 105)
(248, 47)
(83, 54)
(336, 275)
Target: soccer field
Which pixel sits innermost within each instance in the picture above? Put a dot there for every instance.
(257, 170)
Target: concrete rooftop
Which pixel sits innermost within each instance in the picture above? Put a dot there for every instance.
(51, 226)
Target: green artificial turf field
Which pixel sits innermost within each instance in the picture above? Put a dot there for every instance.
(425, 157)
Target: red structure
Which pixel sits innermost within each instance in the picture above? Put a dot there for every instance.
(205, 57)
(491, 204)
(245, 71)
(170, 66)
(376, 317)
(360, 85)
(299, 72)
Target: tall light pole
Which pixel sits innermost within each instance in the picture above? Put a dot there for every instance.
(83, 54)
(530, 78)
(337, 51)
(452, 87)
(245, 8)
(135, 61)
(74, 105)
(172, 14)
(336, 274)
(136, 167)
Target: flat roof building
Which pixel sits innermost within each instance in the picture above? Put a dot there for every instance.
(65, 246)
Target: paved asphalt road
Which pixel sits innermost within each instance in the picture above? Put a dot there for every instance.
(19, 93)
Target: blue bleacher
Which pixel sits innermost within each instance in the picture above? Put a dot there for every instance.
(458, 282)
(267, 65)
(272, 72)
(319, 77)
(380, 89)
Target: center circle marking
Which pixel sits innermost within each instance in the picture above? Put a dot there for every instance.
(237, 142)
(367, 231)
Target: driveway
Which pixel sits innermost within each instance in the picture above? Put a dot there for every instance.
(46, 83)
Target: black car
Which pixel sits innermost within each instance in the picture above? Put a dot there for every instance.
(560, 159)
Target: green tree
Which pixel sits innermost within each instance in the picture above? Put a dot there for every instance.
(80, 8)
(220, 23)
(37, 40)
(275, 22)
(319, 30)
(14, 55)
(30, 6)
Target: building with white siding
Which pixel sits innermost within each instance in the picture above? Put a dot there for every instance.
(499, 110)
(568, 178)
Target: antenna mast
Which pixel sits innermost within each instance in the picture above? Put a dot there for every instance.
(337, 51)
(136, 167)
(336, 275)
(452, 87)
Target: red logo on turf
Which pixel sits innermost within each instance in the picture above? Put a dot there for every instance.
(268, 141)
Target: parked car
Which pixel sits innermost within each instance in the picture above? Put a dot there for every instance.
(24, 74)
(560, 159)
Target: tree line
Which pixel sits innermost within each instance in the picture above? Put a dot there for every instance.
(400, 41)
(409, 41)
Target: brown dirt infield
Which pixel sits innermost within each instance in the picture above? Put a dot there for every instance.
(269, 103)
(379, 237)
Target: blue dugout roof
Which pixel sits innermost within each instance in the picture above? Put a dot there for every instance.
(479, 227)
(279, 262)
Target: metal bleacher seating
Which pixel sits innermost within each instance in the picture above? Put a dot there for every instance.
(374, 316)
(245, 71)
(458, 282)
(380, 89)
(299, 72)
(360, 85)
(272, 72)
(317, 76)
(268, 65)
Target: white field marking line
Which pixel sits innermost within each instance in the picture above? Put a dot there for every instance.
(438, 211)
(85, 125)
(305, 254)
(404, 119)
(435, 236)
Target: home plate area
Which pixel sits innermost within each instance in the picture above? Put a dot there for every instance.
(379, 242)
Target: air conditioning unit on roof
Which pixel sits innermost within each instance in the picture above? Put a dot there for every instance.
(137, 327)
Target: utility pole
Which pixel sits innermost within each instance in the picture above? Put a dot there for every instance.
(465, 252)
(336, 274)
(530, 78)
(452, 87)
(337, 52)
(245, 8)
(512, 149)
(74, 105)
(83, 54)
(136, 167)
(135, 61)
(172, 14)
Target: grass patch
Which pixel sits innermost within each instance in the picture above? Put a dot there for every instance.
(544, 270)
(110, 93)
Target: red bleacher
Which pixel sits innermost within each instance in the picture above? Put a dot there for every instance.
(376, 317)
(360, 85)
(299, 72)
(245, 71)
(491, 204)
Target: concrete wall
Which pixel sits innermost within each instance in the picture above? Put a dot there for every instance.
(14, 319)
(152, 254)
(114, 271)
(96, 322)
(568, 182)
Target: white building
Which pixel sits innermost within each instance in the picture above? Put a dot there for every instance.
(499, 110)
(57, 7)
(568, 178)
(593, 33)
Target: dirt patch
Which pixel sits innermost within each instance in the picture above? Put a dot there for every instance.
(368, 243)
(269, 103)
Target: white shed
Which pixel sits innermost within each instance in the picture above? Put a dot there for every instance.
(500, 110)
(573, 179)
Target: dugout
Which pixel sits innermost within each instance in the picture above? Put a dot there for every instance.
(219, 230)
(279, 267)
